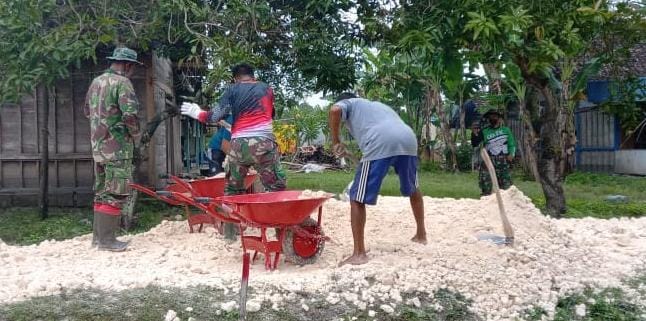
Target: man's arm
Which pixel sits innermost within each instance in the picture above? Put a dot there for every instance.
(217, 112)
(129, 107)
(334, 120)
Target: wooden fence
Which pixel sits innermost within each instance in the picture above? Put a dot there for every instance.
(70, 161)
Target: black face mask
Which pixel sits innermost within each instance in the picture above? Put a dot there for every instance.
(493, 122)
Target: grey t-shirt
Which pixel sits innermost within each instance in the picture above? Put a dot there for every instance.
(378, 129)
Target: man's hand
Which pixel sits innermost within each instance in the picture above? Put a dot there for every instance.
(339, 150)
(510, 158)
(192, 110)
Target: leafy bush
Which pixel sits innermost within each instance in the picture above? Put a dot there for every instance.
(464, 156)
(309, 122)
(430, 166)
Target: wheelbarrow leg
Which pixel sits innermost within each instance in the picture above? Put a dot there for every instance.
(281, 238)
(263, 237)
(188, 218)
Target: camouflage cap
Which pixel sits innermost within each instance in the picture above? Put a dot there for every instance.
(124, 54)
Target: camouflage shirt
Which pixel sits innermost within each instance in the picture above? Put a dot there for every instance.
(111, 105)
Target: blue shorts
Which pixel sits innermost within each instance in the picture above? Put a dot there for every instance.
(370, 175)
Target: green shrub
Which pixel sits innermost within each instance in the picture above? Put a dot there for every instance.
(430, 166)
(464, 157)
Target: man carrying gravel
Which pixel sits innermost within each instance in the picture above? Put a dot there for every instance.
(385, 141)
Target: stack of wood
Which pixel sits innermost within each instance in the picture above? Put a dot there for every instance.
(312, 155)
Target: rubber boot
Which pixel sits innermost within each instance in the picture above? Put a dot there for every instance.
(105, 231)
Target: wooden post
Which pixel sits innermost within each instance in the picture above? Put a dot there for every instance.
(43, 124)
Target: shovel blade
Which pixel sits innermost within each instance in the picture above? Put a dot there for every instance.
(496, 239)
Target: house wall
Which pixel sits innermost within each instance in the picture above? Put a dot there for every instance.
(70, 163)
(598, 136)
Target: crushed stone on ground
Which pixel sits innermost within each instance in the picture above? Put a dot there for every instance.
(550, 258)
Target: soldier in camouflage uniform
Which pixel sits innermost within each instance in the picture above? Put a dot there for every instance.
(111, 105)
(500, 145)
(253, 143)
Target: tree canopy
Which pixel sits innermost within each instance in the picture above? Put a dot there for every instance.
(299, 46)
(413, 54)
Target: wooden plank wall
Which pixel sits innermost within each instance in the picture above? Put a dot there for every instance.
(69, 149)
(71, 166)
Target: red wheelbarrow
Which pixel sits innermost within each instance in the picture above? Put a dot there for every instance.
(298, 236)
(211, 187)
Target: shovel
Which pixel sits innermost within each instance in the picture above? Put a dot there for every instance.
(508, 239)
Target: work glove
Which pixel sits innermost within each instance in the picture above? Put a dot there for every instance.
(193, 110)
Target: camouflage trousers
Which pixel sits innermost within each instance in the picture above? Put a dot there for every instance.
(111, 181)
(260, 153)
(501, 165)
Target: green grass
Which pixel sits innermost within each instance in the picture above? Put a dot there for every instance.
(604, 305)
(152, 303)
(585, 195)
(23, 226)
(601, 304)
(585, 192)
(149, 303)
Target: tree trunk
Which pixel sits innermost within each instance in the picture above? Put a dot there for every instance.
(463, 127)
(552, 160)
(528, 141)
(436, 100)
(555, 132)
(43, 124)
(495, 78)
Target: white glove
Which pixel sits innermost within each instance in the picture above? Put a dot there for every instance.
(191, 110)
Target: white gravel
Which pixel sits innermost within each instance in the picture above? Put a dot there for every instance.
(550, 258)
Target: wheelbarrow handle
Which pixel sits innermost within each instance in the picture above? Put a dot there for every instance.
(203, 200)
(183, 184)
(210, 208)
(166, 197)
(226, 208)
(163, 193)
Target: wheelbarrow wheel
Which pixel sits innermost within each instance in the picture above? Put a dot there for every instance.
(303, 250)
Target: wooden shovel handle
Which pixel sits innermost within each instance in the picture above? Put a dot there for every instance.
(509, 232)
